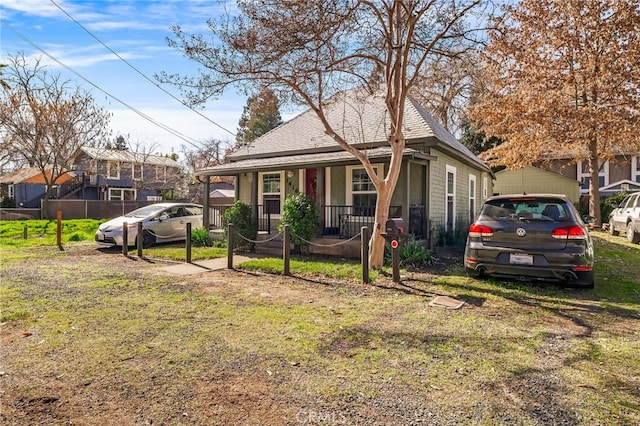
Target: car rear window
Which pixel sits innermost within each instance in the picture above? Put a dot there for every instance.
(524, 209)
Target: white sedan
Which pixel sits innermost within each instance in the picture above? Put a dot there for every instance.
(162, 222)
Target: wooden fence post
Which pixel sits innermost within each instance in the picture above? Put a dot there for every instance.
(59, 228)
(140, 239)
(286, 250)
(125, 239)
(188, 242)
(230, 246)
(364, 256)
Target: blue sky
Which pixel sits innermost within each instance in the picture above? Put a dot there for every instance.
(136, 31)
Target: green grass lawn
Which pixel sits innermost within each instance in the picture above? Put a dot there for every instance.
(252, 346)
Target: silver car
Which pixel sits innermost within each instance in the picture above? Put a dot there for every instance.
(162, 222)
(626, 218)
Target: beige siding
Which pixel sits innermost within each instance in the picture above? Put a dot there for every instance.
(437, 190)
(244, 187)
(533, 180)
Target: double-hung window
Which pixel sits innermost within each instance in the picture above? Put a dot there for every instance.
(635, 169)
(161, 173)
(113, 170)
(450, 198)
(271, 192)
(136, 171)
(585, 178)
(472, 198)
(361, 191)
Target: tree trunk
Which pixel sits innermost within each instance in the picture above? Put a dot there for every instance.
(594, 185)
(386, 188)
(376, 244)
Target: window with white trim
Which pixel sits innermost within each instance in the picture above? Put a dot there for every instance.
(11, 193)
(136, 171)
(271, 192)
(122, 194)
(472, 198)
(161, 173)
(450, 198)
(585, 178)
(635, 168)
(361, 192)
(485, 187)
(113, 170)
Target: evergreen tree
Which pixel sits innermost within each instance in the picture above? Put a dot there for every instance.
(260, 114)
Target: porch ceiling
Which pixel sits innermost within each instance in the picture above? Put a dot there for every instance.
(304, 161)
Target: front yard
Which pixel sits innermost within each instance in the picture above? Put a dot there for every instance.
(92, 337)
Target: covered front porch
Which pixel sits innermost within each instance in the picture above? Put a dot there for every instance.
(336, 182)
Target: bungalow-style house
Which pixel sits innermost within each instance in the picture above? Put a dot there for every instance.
(26, 187)
(441, 184)
(620, 174)
(111, 174)
(531, 180)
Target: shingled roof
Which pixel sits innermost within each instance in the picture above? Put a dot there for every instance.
(362, 120)
(128, 157)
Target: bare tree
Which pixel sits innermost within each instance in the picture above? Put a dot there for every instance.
(305, 51)
(562, 80)
(47, 119)
(446, 88)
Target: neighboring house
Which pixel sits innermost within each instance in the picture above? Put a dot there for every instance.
(532, 180)
(620, 174)
(441, 185)
(110, 174)
(27, 187)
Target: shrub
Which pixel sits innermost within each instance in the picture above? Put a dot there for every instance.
(413, 255)
(7, 202)
(607, 205)
(76, 236)
(301, 214)
(241, 216)
(200, 238)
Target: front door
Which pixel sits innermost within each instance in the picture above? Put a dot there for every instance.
(311, 184)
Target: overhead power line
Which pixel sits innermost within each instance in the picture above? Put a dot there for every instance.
(193, 142)
(138, 71)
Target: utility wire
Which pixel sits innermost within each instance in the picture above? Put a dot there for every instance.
(176, 133)
(138, 71)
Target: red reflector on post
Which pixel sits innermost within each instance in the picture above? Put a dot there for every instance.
(394, 243)
(569, 233)
(478, 231)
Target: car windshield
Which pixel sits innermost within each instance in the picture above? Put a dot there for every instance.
(524, 209)
(146, 211)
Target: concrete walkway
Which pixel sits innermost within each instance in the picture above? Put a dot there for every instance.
(200, 266)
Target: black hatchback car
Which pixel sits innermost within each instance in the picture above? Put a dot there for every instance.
(531, 237)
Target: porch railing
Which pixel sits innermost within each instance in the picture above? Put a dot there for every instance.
(346, 221)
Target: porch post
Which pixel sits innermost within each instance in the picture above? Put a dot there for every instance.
(254, 197)
(320, 194)
(205, 203)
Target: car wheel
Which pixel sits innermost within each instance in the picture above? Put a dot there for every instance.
(612, 230)
(148, 239)
(632, 235)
